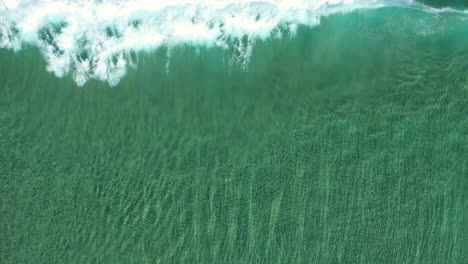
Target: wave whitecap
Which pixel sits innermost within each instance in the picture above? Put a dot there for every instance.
(101, 39)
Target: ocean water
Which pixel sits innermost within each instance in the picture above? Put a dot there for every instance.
(233, 131)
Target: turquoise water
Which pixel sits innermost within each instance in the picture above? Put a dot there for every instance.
(337, 137)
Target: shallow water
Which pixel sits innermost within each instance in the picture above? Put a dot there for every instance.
(342, 142)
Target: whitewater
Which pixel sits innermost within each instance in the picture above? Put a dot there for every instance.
(103, 39)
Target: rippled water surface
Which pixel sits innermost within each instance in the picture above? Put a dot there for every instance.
(266, 132)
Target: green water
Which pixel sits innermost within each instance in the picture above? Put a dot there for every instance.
(346, 143)
(459, 4)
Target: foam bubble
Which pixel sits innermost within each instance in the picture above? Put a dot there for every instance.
(100, 39)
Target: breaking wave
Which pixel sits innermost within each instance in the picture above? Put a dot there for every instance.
(102, 39)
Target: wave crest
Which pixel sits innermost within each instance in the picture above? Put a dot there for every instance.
(101, 39)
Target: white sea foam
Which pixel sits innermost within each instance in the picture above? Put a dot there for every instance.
(100, 39)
